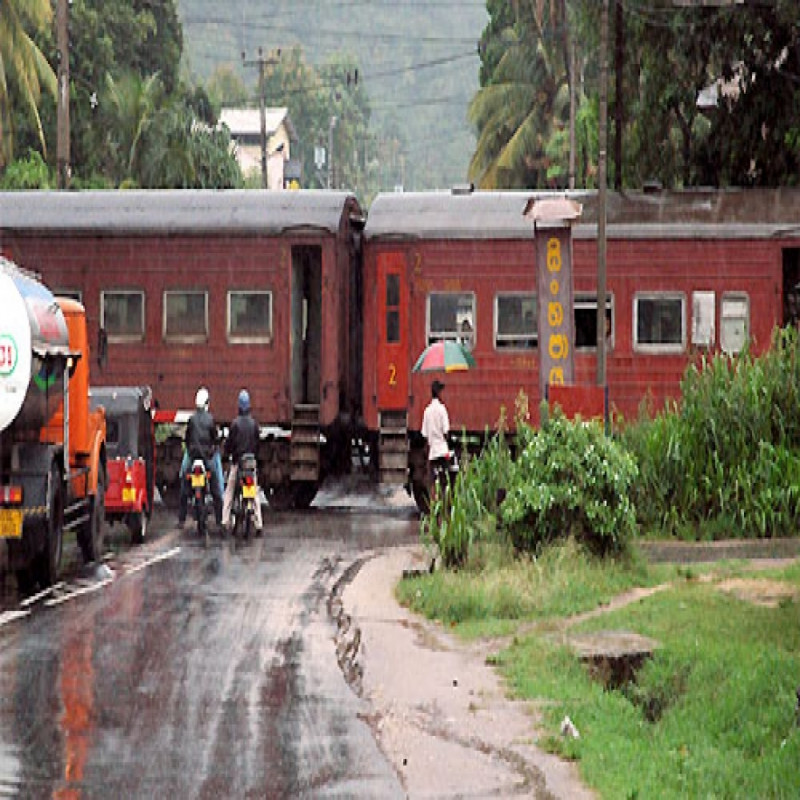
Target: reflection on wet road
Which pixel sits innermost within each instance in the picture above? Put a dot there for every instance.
(196, 673)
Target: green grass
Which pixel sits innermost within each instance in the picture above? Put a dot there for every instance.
(565, 580)
(711, 715)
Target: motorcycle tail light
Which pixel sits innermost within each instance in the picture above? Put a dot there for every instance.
(198, 470)
(249, 480)
(11, 495)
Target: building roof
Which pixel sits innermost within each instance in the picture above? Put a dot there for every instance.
(247, 121)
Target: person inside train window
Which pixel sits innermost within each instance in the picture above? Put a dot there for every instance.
(242, 439)
(466, 333)
(435, 427)
(201, 443)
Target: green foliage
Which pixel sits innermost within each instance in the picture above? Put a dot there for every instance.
(563, 580)
(29, 173)
(712, 715)
(24, 70)
(466, 513)
(726, 461)
(571, 480)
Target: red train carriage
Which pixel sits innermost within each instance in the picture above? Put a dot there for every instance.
(222, 289)
(687, 274)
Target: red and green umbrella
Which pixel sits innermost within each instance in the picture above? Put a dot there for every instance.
(444, 356)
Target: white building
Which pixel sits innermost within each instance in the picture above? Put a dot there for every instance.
(245, 127)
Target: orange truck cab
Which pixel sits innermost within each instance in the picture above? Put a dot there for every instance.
(52, 446)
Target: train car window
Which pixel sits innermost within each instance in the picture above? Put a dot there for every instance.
(585, 315)
(703, 312)
(185, 315)
(73, 294)
(392, 308)
(122, 315)
(249, 316)
(659, 322)
(734, 322)
(451, 315)
(515, 321)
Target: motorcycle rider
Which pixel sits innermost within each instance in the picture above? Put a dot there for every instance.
(242, 438)
(201, 443)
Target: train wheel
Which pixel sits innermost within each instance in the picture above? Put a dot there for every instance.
(303, 493)
(92, 534)
(45, 570)
(281, 496)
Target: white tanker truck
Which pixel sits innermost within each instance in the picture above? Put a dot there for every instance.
(52, 447)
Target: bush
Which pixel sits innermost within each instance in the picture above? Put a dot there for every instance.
(27, 173)
(571, 480)
(466, 514)
(726, 460)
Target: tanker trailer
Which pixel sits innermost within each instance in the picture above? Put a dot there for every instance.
(48, 481)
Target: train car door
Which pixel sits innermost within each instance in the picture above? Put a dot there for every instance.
(306, 323)
(393, 366)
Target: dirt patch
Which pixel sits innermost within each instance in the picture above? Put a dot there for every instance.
(760, 591)
(438, 711)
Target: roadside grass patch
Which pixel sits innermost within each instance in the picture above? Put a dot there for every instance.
(713, 714)
(562, 581)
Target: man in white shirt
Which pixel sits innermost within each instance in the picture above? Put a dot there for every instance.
(435, 427)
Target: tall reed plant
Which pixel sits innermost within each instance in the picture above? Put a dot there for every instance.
(725, 461)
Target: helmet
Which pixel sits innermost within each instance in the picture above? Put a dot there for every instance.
(201, 399)
(244, 401)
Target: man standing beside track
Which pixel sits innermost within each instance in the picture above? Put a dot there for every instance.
(435, 427)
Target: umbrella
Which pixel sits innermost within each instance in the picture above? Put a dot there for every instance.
(444, 356)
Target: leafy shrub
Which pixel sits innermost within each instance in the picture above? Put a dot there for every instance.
(570, 480)
(726, 460)
(466, 513)
(30, 172)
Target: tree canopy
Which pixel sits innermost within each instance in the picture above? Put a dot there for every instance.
(697, 95)
(24, 70)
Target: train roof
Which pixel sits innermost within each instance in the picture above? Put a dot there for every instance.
(178, 211)
(700, 213)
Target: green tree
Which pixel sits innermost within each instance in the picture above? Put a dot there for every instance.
(226, 87)
(522, 110)
(129, 106)
(24, 70)
(180, 153)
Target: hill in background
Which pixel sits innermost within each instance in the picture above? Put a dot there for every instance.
(418, 62)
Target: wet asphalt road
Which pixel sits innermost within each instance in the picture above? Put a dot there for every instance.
(194, 673)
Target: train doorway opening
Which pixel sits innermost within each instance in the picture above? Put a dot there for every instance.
(791, 286)
(306, 323)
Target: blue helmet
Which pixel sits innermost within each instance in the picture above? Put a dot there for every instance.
(244, 401)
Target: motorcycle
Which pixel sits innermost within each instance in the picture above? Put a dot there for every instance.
(245, 497)
(202, 500)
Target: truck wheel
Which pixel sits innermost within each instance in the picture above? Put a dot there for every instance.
(92, 534)
(45, 569)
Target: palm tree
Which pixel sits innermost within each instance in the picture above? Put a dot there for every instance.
(130, 106)
(23, 68)
(522, 112)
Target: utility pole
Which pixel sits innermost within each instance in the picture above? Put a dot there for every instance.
(62, 114)
(330, 152)
(601, 200)
(261, 62)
